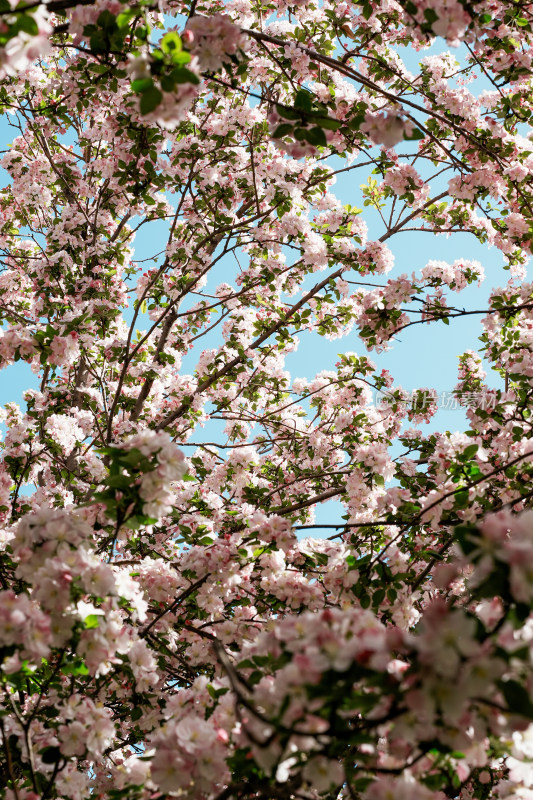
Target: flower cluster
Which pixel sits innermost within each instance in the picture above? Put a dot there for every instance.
(386, 128)
(214, 39)
(168, 466)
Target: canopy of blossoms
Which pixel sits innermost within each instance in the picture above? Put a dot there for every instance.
(169, 624)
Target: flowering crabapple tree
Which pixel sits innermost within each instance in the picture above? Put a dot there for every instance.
(169, 627)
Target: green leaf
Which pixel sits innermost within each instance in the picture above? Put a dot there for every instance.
(142, 84)
(75, 668)
(287, 113)
(138, 521)
(327, 123)
(50, 755)
(181, 58)
(27, 24)
(167, 84)
(470, 451)
(356, 122)
(136, 714)
(183, 75)
(434, 554)
(119, 481)
(282, 130)
(97, 43)
(150, 99)
(106, 19)
(316, 137)
(414, 136)
(91, 621)
(517, 698)
(124, 18)
(378, 597)
(303, 100)
(461, 498)
(466, 536)
(171, 43)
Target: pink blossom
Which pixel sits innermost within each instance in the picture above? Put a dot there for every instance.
(386, 128)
